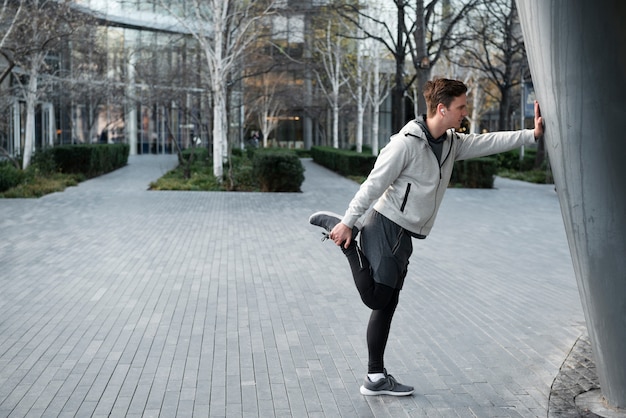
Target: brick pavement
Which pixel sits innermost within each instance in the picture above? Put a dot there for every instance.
(118, 301)
(577, 375)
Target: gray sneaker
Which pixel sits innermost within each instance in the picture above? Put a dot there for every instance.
(386, 386)
(328, 220)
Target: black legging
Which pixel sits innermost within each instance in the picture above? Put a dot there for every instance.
(378, 297)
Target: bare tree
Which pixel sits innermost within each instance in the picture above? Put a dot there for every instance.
(419, 30)
(379, 93)
(393, 35)
(477, 92)
(377, 76)
(88, 85)
(499, 52)
(359, 87)
(435, 31)
(332, 75)
(265, 94)
(225, 29)
(10, 13)
(43, 27)
(478, 85)
(173, 89)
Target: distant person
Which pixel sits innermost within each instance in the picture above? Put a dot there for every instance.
(407, 184)
(104, 136)
(255, 139)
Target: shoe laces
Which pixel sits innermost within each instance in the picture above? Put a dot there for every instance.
(392, 381)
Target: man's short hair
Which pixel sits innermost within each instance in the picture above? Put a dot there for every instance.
(442, 90)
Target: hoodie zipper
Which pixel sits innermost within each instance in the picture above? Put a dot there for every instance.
(447, 156)
(406, 197)
(440, 177)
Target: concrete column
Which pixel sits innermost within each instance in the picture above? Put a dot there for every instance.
(577, 56)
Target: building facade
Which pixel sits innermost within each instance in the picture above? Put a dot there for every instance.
(133, 73)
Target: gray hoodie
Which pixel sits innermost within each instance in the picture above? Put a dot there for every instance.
(409, 182)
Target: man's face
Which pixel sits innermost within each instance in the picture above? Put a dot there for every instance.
(456, 112)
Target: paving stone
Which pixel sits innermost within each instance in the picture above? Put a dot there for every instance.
(116, 300)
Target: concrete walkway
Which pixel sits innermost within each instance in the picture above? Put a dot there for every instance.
(118, 301)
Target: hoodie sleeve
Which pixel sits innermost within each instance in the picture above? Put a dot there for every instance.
(389, 164)
(481, 145)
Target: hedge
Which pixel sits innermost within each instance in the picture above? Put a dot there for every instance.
(277, 170)
(510, 160)
(346, 163)
(91, 160)
(477, 173)
(9, 176)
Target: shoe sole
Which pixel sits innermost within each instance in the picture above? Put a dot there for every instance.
(367, 392)
(357, 226)
(327, 213)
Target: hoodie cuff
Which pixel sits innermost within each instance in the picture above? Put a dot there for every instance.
(349, 220)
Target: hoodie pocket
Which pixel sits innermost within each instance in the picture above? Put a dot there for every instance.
(406, 197)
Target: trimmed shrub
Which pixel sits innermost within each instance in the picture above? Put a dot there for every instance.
(239, 174)
(9, 176)
(510, 160)
(277, 170)
(199, 154)
(302, 153)
(347, 163)
(476, 173)
(43, 162)
(91, 160)
(39, 185)
(54, 169)
(533, 176)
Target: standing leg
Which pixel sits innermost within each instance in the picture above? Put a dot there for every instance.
(387, 248)
(379, 297)
(378, 334)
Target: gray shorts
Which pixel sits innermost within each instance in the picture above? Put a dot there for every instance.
(387, 247)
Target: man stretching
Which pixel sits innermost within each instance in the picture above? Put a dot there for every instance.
(408, 182)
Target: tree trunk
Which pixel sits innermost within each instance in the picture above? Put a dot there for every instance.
(376, 106)
(423, 72)
(397, 92)
(29, 133)
(219, 130)
(397, 106)
(476, 107)
(219, 91)
(335, 125)
(375, 130)
(423, 75)
(359, 126)
(505, 108)
(359, 103)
